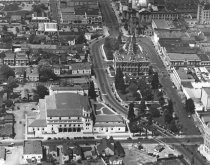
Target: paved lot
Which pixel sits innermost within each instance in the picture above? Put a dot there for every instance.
(25, 108)
(15, 156)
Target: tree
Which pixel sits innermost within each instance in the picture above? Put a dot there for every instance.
(155, 81)
(5, 28)
(81, 39)
(190, 106)
(46, 74)
(142, 107)
(17, 29)
(161, 101)
(150, 72)
(119, 81)
(131, 114)
(41, 91)
(167, 117)
(154, 111)
(91, 91)
(2, 55)
(173, 127)
(170, 107)
(6, 71)
(9, 103)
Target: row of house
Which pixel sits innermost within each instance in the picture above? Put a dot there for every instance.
(36, 152)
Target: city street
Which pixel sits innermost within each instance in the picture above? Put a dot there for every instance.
(187, 123)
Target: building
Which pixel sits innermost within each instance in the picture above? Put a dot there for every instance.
(109, 124)
(181, 75)
(205, 148)
(131, 59)
(181, 59)
(32, 151)
(105, 148)
(81, 68)
(162, 24)
(203, 13)
(60, 115)
(21, 59)
(205, 97)
(148, 16)
(32, 73)
(9, 59)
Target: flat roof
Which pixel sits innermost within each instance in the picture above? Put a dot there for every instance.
(163, 24)
(183, 75)
(66, 104)
(109, 118)
(183, 57)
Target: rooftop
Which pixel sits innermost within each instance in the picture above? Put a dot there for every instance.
(183, 74)
(66, 104)
(183, 57)
(163, 24)
(77, 66)
(108, 118)
(207, 90)
(32, 147)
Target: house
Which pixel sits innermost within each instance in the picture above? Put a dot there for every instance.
(81, 68)
(10, 58)
(16, 18)
(77, 153)
(115, 160)
(61, 115)
(32, 151)
(32, 73)
(109, 124)
(19, 73)
(105, 148)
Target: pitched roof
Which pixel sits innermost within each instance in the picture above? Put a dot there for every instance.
(103, 145)
(32, 147)
(109, 118)
(82, 65)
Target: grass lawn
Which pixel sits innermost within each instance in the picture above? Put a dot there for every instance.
(126, 97)
(98, 106)
(107, 111)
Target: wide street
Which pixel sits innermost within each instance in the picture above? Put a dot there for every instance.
(187, 123)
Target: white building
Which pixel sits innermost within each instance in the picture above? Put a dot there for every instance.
(205, 98)
(78, 89)
(32, 151)
(181, 75)
(61, 115)
(109, 124)
(205, 148)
